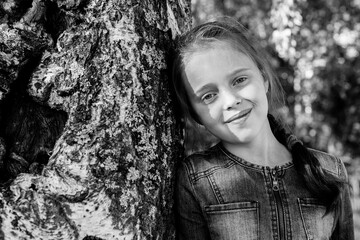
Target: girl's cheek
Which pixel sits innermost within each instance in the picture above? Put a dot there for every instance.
(253, 91)
(213, 113)
(201, 110)
(248, 92)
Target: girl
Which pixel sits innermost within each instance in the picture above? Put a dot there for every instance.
(258, 182)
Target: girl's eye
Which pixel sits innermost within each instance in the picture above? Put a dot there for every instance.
(208, 98)
(239, 80)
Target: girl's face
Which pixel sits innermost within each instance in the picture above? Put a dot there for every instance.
(228, 93)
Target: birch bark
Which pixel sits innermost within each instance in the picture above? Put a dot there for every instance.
(103, 63)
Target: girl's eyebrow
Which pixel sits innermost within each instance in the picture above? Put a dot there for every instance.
(230, 75)
(204, 88)
(237, 71)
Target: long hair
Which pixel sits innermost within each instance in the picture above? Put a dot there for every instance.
(327, 187)
(323, 185)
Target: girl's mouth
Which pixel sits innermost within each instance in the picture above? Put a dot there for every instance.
(241, 115)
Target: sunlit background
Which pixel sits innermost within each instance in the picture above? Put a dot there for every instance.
(315, 48)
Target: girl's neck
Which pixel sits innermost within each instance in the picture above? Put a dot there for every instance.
(264, 150)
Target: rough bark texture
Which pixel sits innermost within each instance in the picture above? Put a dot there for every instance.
(85, 101)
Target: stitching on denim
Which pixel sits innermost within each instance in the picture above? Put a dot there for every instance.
(258, 219)
(215, 189)
(285, 200)
(272, 201)
(188, 171)
(239, 161)
(203, 174)
(339, 168)
(247, 164)
(302, 218)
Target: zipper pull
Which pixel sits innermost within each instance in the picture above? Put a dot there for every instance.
(275, 182)
(275, 186)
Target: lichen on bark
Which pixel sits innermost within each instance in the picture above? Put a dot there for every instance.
(110, 173)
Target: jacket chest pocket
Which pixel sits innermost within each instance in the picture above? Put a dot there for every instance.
(317, 225)
(233, 221)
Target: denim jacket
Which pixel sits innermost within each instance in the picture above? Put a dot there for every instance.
(221, 196)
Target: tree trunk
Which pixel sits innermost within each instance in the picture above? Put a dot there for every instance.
(107, 148)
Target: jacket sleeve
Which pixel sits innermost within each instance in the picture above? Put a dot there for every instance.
(345, 226)
(190, 222)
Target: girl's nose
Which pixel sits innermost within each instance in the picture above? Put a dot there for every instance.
(231, 100)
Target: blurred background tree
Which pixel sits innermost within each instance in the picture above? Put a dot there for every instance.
(314, 47)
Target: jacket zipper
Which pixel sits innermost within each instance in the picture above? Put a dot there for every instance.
(279, 205)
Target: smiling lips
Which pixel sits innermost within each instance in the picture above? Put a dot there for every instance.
(240, 115)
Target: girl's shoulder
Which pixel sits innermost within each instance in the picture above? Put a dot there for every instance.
(330, 163)
(204, 161)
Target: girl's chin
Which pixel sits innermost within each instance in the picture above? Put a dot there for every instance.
(243, 138)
